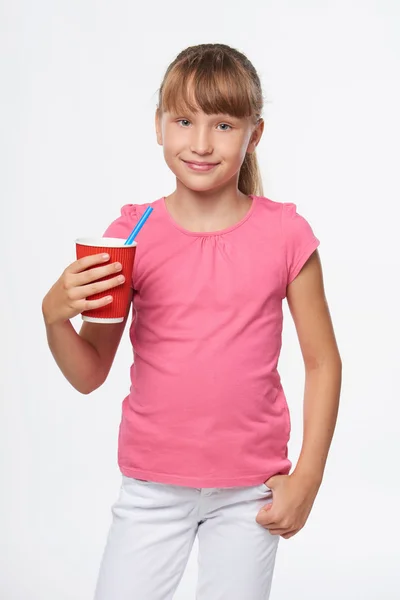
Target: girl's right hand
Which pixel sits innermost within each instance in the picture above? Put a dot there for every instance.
(67, 297)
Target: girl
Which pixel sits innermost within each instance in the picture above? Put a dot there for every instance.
(205, 427)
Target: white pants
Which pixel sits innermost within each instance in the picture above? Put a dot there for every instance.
(152, 534)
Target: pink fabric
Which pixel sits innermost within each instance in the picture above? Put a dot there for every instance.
(206, 406)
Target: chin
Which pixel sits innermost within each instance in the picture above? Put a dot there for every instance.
(200, 186)
(200, 183)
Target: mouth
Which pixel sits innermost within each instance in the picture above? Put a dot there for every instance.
(200, 166)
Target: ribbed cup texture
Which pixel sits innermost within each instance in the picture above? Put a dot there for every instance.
(118, 307)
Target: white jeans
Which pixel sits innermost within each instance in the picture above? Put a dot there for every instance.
(152, 534)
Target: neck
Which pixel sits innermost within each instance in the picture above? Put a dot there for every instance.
(209, 210)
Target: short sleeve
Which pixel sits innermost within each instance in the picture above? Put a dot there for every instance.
(299, 239)
(122, 227)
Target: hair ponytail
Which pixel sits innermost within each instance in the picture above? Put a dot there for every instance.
(250, 181)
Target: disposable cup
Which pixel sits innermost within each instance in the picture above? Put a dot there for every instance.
(117, 309)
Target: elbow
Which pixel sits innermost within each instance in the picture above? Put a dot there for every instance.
(337, 361)
(331, 361)
(85, 391)
(87, 387)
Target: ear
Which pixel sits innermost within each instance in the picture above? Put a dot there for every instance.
(158, 127)
(255, 136)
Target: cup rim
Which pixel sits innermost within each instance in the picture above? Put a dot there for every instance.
(104, 242)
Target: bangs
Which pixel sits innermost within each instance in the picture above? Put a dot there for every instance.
(214, 84)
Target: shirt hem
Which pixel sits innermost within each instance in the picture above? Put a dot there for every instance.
(201, 482)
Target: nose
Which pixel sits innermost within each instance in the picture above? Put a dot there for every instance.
(200, 142)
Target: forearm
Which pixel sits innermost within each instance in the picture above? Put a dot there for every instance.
(321, 403)
(77, 359)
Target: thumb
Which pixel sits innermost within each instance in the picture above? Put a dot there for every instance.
(270, 482)
(264, 516)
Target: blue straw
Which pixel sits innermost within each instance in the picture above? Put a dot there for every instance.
(139, 226)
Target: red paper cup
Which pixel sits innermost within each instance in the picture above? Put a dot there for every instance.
(114, 312)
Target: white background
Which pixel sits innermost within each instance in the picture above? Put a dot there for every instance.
(79, 83)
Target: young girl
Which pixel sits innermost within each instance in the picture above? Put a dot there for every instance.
(205, 427)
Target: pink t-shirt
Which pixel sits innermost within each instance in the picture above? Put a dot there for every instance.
(206, 406)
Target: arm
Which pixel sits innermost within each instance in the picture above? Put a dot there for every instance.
(323, 368)
(85, 359)
(294, 495)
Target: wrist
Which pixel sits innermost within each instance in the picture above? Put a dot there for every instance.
(50, 319)
(310, 477)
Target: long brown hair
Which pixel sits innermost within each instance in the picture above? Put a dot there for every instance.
(224, 81)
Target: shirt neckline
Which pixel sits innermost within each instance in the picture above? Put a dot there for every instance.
(210, 233)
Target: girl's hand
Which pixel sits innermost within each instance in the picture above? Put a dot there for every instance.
(293, 498)
(67, 297)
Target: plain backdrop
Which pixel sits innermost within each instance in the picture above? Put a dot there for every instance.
(79, 82)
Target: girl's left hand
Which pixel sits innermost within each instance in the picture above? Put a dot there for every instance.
(293, 498)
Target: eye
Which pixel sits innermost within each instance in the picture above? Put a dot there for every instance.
(226, 126)
(184, 122)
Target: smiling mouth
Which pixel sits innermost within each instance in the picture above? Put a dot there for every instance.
(200, 166)
(195, 162)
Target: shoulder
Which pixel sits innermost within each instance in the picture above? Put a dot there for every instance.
(127, 219)
(135, 211)
(272, 207)
(293, 233)
(284, 217)
(282, 211)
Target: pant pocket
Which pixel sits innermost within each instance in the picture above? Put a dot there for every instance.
(265, 488)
